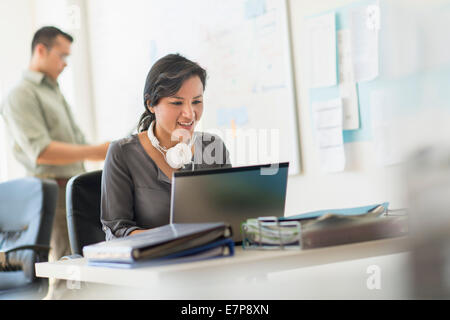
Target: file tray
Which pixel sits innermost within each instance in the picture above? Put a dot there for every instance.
(269, 233)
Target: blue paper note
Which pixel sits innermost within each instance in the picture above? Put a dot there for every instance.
(346, 211)
(255, 8)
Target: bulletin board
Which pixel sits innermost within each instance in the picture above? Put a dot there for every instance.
(364, 132)
(405, 67)
(413, 78)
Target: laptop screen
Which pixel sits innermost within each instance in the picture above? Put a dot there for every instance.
(230, 195)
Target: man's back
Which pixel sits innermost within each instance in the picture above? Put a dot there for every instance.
(36, 113)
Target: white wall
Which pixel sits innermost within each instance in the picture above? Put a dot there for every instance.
(117, 74)
(75, 81)
(16, 24)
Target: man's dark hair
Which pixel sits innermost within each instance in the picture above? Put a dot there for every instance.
(46, 36)
(164, 79)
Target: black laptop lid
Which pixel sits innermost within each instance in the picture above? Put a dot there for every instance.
(229, 195)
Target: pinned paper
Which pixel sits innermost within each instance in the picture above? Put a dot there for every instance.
(322, 50)
(365, 23)
(347, 85)
(373, 17)
(329, 137)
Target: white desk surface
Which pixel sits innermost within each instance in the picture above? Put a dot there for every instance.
(331, 272)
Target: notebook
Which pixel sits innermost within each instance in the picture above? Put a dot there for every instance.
(157, 242)
(220, 248)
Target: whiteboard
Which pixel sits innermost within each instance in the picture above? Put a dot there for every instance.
(244, 45)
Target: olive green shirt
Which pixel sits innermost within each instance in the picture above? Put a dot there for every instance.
(36, 113)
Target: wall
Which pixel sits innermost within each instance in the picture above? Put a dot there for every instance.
(16, 24)
(75, 81)
(414, 66)
(363, 181)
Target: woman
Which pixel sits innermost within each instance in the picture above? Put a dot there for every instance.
(136, 180)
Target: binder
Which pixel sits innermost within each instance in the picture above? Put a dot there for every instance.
(157, 242)
(220, 248)
(339, 231)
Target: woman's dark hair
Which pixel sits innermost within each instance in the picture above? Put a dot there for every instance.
(164, 79)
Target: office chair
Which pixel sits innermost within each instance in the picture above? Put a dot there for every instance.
(27, 210)
(83, 194)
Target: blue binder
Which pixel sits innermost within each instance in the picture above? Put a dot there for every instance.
(216, 249)
(157, 242)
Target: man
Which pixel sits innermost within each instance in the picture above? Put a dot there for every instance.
(46, 139)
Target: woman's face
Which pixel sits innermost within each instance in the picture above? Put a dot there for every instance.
(177, 116)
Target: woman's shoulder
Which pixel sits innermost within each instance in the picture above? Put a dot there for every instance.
(125, 142)
(124, 145)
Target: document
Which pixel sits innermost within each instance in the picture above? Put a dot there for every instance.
(333, 159)
(365, 23)
(337, 230)
(321, 33)
(347, 85)
(387, 150)
(329, 138)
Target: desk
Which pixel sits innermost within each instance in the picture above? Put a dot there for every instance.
(338, 272)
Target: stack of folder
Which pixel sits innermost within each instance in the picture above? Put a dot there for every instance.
(171, 243)
(324, 228)
(271, 233)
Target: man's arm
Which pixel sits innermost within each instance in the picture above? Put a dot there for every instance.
(61, 153)
(27, 125)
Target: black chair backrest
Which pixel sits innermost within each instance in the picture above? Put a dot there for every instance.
(27, 210)
(83, 197)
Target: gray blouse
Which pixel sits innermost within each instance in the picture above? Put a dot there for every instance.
(136, 193)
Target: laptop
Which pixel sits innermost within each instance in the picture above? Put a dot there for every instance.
(230, 195)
